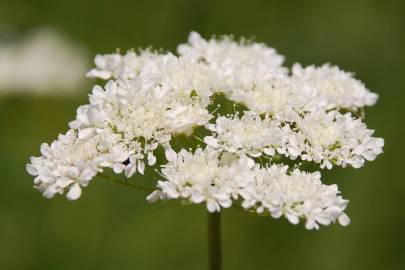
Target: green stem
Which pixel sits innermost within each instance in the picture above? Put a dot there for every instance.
(198, 138)
(214, 241)
(125, 183)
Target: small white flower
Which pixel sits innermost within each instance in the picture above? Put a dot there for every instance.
(334, 86)
(196, 177)
(119, 66)
(248, 134)
(236, 64)
(183, 119)
(74, 192)
(335, 139)
(67, 163)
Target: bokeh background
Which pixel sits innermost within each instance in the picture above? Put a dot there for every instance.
(113, 227)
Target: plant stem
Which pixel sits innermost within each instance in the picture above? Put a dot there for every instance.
(125, 183)
(214, 241)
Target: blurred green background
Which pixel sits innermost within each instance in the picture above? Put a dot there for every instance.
(112, 227)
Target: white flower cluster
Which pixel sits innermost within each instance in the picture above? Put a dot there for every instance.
(219, 179)
(328, 138)
(307, 115)
(42, 62)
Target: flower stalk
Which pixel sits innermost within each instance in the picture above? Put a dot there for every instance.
(214, 241)
(125, 183)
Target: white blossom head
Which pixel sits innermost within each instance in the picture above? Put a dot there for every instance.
(256, 136)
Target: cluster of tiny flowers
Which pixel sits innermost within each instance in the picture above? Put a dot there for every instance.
(327, 138)
(249, 159)
(218, 179)
(42, 62)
